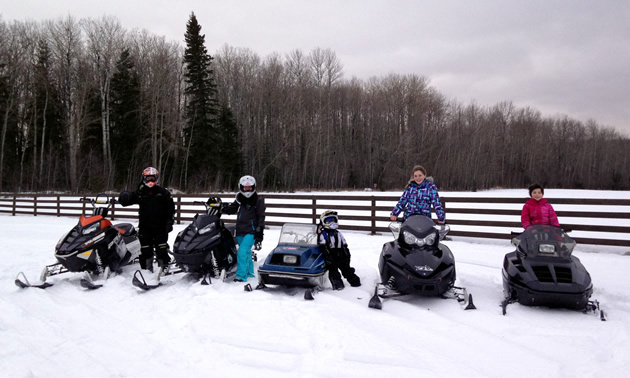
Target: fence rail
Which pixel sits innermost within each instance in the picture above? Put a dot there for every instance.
(469, 216)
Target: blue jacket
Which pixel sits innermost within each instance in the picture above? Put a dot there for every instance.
(417, 199)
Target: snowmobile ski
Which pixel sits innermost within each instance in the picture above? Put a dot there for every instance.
(462, 296)
(139, 282)
(309, 294)
(22, 282)
(88, 283)
(375, 301)
(248, 287)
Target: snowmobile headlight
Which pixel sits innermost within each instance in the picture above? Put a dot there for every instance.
(412, 239)
(409, 237)
(546, 248)
(208, 228)
(90, 229)
(289, 259)
(429, 239)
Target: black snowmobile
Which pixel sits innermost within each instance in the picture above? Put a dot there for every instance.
(94, 246)
(543, 272)
(417, 263)
(205, 248)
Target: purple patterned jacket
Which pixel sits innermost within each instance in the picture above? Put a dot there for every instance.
(417, 199)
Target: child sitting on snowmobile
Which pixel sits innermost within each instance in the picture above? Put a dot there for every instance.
(537, 210)
(335, 250)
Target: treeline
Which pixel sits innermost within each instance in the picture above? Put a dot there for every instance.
(85, 105)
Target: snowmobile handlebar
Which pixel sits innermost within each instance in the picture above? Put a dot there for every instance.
(95, 201)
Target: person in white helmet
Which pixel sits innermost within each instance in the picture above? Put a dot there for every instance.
(250, 224)
(156, 213)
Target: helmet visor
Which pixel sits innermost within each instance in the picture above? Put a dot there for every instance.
(330, 219)
(150, 178)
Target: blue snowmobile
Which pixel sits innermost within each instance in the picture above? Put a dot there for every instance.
(296, 260)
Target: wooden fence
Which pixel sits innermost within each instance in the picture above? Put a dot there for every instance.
(593, 221)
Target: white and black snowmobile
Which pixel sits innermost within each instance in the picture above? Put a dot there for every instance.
(94, 246)
(206, 249)
(416, 263)
(543, 272)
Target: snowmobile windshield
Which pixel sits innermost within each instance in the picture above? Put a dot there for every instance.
(418, 230)
(419, 225)
(298, 233)
(545, 240)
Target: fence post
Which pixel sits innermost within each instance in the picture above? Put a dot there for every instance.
(179, 209)
(34, 205)
(113, 216)
(58, 206)
(373, 216)
(14, 204)
(314, 213)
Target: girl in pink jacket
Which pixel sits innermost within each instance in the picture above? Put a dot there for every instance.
(537, 210)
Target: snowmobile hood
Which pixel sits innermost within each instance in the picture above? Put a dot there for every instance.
(544, 241)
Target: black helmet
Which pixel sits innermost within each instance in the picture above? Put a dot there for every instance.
(247, 181)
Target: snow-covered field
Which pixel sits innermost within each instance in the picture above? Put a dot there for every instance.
(186, 329)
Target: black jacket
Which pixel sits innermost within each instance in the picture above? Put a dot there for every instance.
(251, 214)
(157, 209)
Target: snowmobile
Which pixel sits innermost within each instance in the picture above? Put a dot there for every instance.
(543, 272)
(94, 246)
(416, 263)
(205, 248)
(295, 261)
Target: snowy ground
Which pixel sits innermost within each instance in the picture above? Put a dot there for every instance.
(220, 330)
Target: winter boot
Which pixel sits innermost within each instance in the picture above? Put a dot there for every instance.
(337, 283)
(163, 268)
(354, 281)
(147, 264)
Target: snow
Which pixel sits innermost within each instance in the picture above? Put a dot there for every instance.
(186, 329)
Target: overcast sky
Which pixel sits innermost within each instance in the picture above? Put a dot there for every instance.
(569, 57)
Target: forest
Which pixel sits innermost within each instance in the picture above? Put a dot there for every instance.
(85, 105)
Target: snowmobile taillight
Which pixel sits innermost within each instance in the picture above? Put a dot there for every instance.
(289, 259)
(546, 249)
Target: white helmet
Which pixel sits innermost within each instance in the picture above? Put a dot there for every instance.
(329, 219)
(249, 181)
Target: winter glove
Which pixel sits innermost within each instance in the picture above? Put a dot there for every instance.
(124, 198)
(258, 236)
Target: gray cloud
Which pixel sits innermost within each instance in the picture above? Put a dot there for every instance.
(560, 57)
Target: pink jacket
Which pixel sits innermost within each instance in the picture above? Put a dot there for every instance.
(538, 212)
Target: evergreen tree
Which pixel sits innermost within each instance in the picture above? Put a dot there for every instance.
(126, 124)
(200, 132)
(230, 155)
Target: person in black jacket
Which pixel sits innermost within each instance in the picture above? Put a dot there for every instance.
(250, 224)
(156, 217)
(335, 250)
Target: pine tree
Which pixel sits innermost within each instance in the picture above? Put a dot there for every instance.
(200, 132)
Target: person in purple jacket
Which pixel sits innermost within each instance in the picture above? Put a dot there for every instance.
(537, 210)
(420, 193)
